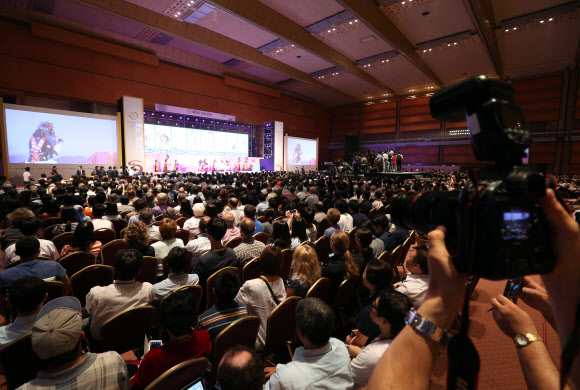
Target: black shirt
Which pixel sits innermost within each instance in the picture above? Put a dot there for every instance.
(212, 262)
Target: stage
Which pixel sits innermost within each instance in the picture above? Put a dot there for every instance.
(394, 175)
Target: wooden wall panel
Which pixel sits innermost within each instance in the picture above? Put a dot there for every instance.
(543, 153)
(379, 118)
(458, 154)
(346, 120)
(415, 115)
(574, 163)
(578, 98)
(420, 154)
(539, 98)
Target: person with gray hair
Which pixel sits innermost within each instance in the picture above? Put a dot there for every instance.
(192, 224)
(232, 231)
(162, 206)
(249, 247)
(322, 362)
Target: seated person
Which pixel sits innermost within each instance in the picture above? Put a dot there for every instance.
(178, 316)
(376, 277)
(137, 237)
(218, 257)
(179, 264)
(311, 230)
(26, 297)
(201, 244)
(146, 216)
(28, 248)
(240, 369)
(83, 240)
(232, 230)
(305, 271)
(168, 241)
(250, 212)
(192, 224)
(364, 253)
(389, 311)
(30, 227)
(162, 206)
(69, 217)
(104, 303)
(56, 339)
(333, 216)
(98, 221)
(377, 245)
(340, 265)
(322, 362)
(226, 310)
(416, 283)
(249, 247)
(12, 221)
(263, 294)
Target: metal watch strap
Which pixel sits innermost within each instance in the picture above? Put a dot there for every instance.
(425, 327)
(529, 337)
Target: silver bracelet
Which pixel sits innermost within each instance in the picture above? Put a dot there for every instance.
(426, 328)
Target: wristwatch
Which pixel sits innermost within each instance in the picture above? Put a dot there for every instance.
(522, 340)
(426, 328)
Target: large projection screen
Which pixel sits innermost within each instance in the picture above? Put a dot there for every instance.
(301, 153)
(196, 150)
(41, 138)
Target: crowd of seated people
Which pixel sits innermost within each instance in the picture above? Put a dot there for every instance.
(212, 210)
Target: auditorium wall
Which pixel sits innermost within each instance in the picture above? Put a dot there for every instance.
(40, 71)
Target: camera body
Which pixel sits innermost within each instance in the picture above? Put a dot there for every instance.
(499, 228)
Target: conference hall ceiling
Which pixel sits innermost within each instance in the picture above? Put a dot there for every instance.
(333, 52)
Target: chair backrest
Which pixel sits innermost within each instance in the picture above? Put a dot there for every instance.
(76, 261)
(105, 235)
(180, 222)
(14, 263)
(381, 210)
(148, 272)
(62, 239)
(55, 289)
(122, 233)
(51, 222)
(262, 237)
(109, 250)
(263, 220)
(243, 331)
(183, 235)
(352, 239)
(209, 292)
(47, 232)
(89, 277)
(319, 289)
(234, 242)
(322, 248)
(124, 214)
(345, 292)
(322, 226)
(286, 265)
(281, 326)
(194, 290)
(373, 213)
(127, 330)
(118, 225)
(280, 218)
(180, 375)
(19, 362)
(252, 270)
(396, 259)
(156, 223)
(406, 246)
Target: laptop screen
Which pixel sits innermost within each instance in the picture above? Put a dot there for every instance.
(195, 385)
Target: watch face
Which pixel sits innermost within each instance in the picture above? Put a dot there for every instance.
(521, 340)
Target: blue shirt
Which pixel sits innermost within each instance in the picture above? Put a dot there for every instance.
(321, 368)
(330, 231)
(259, 226)
(43, 269)
(20, 327)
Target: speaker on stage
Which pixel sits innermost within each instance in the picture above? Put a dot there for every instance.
(351, 145)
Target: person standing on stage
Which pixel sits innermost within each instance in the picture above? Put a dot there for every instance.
(176, 166)
(363, 165)
(379, 161)
(390, 160)
(26, 176)
(385, 161)
(394, 162)
(156, 166)
(165, 164)
(399, 161)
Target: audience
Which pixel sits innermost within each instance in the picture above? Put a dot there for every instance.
(30, 227)
(263, 294)
(416, 282)
(298, 231)
(104, 303)
(179, 263)
(240, 369)
(250, 212)
(192, 224)
(146, 217)
(168, 241)
(249, 247)
(340, 265)
(178, 316)
(280, 235)
(13, 233)
(98, 221)
(26, 297)
(322, 362)
(333, 216)
(226, 310)
(69, 217)
(137, 237)
(83, 240)
(305, 271)
(201, 244)
(232, 230)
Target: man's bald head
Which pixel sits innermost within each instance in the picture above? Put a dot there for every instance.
(233, 202)
(247, 228)
(229, 218)
(203, 224)
(240, 369)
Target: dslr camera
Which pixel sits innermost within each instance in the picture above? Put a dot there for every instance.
(495, 227)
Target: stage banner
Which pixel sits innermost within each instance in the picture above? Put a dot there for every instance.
(278, 146)
(193, 112)
(132, 133)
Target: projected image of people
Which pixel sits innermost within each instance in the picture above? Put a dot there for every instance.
(297, 155)
(44, 144)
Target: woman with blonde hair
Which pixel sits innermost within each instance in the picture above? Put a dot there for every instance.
(305, 271)
(341, 265)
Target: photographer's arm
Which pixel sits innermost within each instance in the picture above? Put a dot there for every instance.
(562, 283)
(407, 363)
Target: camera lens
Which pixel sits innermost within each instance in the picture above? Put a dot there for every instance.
(426, 210)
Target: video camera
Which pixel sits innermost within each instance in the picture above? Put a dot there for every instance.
(500, 229)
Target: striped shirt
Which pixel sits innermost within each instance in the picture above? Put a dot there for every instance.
(215, 319)
(95, 248)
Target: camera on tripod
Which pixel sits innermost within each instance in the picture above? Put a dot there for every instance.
(496, 220)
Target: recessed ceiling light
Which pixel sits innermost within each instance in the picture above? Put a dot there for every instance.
(333, 29)
(356, 20)
(506, 30)
(328, 30)
(541, 21)
(551, 19)
(455, 43)
(424, 51)
(387, 60)
(403, 2)
(430, 49)
(515, 28)
(449, 44)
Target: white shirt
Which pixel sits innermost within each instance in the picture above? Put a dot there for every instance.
(172, 282)
(26, 176)
(415, 287)
(259, 302)
(47, 249)
(361, 367)
(154, 232)
(311, 232)
(162, 249)
(102, 224)
(345, 222)
(104, 303)
(192, 225)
